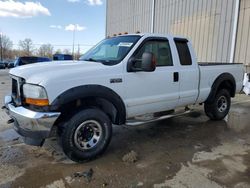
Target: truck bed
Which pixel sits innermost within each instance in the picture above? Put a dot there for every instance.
(216, 63)
(210, 71)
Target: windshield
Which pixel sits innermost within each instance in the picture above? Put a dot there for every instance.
(112, 50)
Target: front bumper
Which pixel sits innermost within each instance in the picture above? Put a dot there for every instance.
(35, 127)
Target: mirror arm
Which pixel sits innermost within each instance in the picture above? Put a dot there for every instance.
(132, 68)
(136, 69)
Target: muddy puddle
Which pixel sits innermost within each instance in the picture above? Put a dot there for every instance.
(239, 118)
(9, 135)
(187, 151)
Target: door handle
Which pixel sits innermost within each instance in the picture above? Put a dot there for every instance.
(176, 77)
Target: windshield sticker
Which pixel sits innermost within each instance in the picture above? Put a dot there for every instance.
(125, 44)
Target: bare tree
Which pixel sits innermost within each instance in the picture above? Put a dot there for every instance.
(26, 46)
(66, 51)
(46, 50)
(6, 46)
(15, 53)
(58, 51)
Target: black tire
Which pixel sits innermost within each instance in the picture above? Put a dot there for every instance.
(74, 148)
(220, 106)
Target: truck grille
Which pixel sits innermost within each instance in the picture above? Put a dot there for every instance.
(14, 88)
(16, 94)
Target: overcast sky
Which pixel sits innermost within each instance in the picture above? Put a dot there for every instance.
(52, 21)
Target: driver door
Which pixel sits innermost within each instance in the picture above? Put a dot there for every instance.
(148, 92)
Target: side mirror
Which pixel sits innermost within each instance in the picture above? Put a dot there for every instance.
(148, 63)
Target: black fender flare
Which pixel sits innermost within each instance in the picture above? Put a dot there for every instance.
(93, 91)
(224, 77)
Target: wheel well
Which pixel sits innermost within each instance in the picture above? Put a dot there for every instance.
(228, 85)
(90, 96)
(72, 107)
(224, 81)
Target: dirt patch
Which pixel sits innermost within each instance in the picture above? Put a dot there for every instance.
(9, 173)
(242, 185)
(85, 174)
(130, 157)
(190, 176)
(56, 184)
(69, 179)
(225, 149)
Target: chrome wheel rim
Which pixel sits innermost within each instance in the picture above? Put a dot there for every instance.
(222, 104)
(87, 135)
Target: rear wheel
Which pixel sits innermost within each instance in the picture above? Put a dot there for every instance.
(220, 106)
(86, 135)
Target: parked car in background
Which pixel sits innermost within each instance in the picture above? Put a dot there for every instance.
(62, 57)
(2, 65)
(10, 64)
(6, 62)
(29, 60)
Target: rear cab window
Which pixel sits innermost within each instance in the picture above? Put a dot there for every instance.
(183, 51)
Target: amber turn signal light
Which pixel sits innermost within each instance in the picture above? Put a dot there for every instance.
(37, 102)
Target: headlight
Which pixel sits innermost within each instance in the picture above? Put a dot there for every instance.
(35, 95)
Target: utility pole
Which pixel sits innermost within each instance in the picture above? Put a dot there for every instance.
(73, 50)
(153, 17)
(78, 52)
(1, 46)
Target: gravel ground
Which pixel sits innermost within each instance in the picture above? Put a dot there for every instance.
(187, 151)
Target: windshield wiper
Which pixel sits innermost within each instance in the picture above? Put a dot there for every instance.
(104, 62)
(90, 59)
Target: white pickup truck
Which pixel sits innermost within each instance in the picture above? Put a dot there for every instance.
(119, 79)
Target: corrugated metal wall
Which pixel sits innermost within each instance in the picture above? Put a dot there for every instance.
(242, 51)
(128, 16)
(208, 23)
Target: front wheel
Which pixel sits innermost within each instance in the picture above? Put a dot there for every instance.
(86, 135)
(220, 106)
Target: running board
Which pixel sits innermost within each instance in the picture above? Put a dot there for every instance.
(135, 122)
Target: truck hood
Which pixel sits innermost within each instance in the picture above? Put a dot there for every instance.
(40, 72)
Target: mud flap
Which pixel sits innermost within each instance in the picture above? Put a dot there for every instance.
(33, 142)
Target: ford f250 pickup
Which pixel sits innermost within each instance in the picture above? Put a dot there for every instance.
(117, 81)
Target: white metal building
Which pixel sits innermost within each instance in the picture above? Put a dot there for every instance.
(219, 29)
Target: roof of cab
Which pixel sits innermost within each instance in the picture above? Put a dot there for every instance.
(151, 35)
